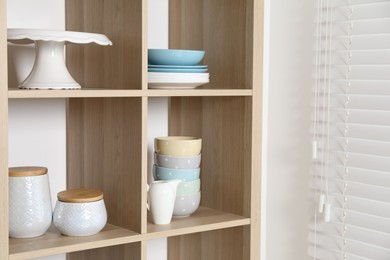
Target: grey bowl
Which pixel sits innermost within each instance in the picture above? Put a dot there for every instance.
(177, 162)
(185, 205)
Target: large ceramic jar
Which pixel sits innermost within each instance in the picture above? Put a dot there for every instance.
(30, 211)
(80, 212)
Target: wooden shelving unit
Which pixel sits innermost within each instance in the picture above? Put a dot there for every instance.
(107, 130)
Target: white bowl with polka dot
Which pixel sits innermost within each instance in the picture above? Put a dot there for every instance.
(177, 162)
(185, 205)
(188, 187)
(178, 145)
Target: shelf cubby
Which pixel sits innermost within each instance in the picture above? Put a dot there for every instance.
(118, 66)
(227, 244)
(131, 251)
(103, 151)
(223, 30)
(224, 125)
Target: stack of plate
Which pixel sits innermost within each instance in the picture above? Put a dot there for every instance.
(176, 69)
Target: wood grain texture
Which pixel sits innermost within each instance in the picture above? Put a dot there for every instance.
(128, 252)
(223, 244)
(219, 28)
(223, 124)
(3, 133)
(80, 195)
(104, 144)
(104, 140)
(26, 171)
(117, 66)
(144, 55)
(204, 219)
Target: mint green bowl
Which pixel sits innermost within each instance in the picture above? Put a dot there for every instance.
(188, 187)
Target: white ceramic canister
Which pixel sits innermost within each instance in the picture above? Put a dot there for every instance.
(80, 212)
(30, 211)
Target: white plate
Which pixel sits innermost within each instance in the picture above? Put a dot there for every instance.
(178, 80)
(174, 85)
(175, 75)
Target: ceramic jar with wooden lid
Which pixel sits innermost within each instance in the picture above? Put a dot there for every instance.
(30, 211)
(80, 212)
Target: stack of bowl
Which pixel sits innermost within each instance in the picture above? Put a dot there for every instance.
(172, 69)
(178, 157)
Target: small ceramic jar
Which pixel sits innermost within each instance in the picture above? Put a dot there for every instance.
(80, 212)
(30, 211)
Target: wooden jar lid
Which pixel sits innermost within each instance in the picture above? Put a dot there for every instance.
(80, 195)
(26, 171)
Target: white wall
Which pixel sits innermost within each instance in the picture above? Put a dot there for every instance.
(288, 141)
(36, 127)
(157, 107)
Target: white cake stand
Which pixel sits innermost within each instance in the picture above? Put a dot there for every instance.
(49, 70)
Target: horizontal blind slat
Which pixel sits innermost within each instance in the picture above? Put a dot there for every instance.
(353, 247)
(352, 130)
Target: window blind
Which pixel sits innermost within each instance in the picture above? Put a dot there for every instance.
(350, 177)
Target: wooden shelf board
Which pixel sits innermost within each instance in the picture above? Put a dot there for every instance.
(52, 242)
(204, 219)
(79, 93)
(199, 92)
(85, 93)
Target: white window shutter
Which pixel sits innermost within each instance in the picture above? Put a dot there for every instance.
(351, 131)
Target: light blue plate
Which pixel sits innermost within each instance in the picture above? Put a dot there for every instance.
(177, 70)
(177, 66)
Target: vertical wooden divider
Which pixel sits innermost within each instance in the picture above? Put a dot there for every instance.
(106, 136)
(3, 133)
(255, 30)
(144, 170)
